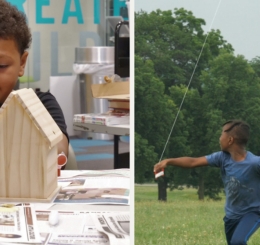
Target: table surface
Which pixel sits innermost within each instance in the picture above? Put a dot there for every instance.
(95, 128)
(79, 206)
(82, 206)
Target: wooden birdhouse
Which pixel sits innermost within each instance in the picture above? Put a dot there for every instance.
(28, 149)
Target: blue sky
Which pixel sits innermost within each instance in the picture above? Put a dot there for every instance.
(238, 20)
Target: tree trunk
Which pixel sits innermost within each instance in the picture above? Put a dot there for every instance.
(201, 188)
(162, 189)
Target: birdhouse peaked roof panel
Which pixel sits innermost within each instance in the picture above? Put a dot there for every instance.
(37, 113)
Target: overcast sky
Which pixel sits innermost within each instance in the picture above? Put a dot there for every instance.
(238, 20)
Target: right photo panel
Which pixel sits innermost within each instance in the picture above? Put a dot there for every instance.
(197, 114)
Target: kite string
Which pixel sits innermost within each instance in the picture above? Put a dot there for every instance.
(178, 112)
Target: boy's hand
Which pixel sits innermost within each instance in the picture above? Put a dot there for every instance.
(160, 166)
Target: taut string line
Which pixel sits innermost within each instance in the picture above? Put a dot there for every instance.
(178, 112)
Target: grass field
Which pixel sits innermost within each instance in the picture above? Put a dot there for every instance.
(182, 220)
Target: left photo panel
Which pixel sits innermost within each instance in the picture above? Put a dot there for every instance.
(65, 122)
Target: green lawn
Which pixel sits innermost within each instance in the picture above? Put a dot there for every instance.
(182, 220)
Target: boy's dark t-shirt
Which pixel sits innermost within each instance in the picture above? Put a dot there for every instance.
(241, 181)
(54, 109)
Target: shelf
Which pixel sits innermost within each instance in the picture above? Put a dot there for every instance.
(103, 129)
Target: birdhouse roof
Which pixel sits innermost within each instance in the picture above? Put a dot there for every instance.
(37, 112)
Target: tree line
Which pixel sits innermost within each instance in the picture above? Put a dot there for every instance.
(224, 86)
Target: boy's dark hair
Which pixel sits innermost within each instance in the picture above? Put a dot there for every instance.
(13, 25)
(239, 130)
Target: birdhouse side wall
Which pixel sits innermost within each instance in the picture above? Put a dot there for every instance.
(2, 156)
(50, 170)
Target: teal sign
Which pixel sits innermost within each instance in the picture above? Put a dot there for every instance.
(40, 4)
(67, 14)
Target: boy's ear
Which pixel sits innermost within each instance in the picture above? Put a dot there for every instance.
(230, 140)
(23, 63)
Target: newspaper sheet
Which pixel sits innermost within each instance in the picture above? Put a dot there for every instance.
(18, 224)
(96, 187)
(124, 172)
(115, 225)
(76, 228)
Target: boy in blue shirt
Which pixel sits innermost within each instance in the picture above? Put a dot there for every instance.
(240, 171)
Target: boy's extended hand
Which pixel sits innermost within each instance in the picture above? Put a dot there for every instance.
(160, 166)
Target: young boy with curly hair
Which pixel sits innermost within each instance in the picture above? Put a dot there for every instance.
(240, 171)
(15, 40)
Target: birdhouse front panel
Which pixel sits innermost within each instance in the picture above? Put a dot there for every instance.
(28, 148)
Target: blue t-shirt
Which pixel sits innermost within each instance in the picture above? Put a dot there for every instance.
(241, 182)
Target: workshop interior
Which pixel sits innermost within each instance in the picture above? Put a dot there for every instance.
(76, 45)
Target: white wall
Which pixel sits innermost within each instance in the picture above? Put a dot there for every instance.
(52, 52)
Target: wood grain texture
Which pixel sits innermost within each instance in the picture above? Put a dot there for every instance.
(38, 200)
(28, 149)
(43, 120)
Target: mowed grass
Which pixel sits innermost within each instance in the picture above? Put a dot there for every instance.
(182, 220)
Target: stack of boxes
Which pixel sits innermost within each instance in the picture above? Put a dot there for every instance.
(118, 97)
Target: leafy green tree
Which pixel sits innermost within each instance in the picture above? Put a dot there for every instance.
(154, 115)
(204, 128)
(153, 109)
(173, 41)
(224, 86)
(145, 157)
(231, 86)
(255, 64)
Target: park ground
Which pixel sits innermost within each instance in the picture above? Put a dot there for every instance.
(182, 220)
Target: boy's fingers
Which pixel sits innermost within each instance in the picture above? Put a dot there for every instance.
(156, 167)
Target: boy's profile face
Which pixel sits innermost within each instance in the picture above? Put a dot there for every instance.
(11, 67)
(225, 139)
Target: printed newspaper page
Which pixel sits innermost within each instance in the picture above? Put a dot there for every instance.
(123, 172)
(115, 225)
(18, 224)
(76, 227)
(105, 188)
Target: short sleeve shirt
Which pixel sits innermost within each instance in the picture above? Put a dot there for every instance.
(241, 182)
(54, 109)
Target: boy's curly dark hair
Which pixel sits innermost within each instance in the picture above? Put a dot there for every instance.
(13, 25)
(239, 130)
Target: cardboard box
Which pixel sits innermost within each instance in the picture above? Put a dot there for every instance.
(111, 91)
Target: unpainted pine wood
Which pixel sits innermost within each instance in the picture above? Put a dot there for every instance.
(37, 200)
(2, 156)
(40, 110)
(35, 163)
(25, 154)
(51, 171)
(55, 138)
(28, 161)
(116, 97)
(25, 96)
(35, 107)
(43, 173)
(48, 127)
(43, 120)
(9, 121)
(15, 169)
(51, 186)
(110, 89)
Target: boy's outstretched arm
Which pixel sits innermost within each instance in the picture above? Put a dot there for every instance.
(184, 162)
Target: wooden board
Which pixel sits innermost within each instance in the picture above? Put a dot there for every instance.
(116, 90)
(31, 200)
(119, 104)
